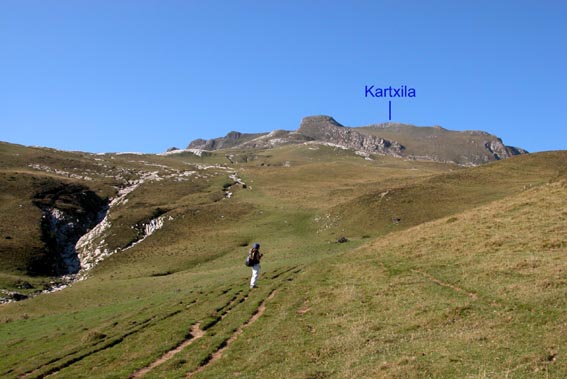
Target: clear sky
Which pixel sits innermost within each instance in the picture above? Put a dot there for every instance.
(145, 75)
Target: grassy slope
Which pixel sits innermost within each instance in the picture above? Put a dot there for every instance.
(191, 271)
(411, 204)
(477, 295)
(435, 142)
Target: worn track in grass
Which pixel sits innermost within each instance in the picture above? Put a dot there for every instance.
(198, 331)
(217, 354)
(195, 333)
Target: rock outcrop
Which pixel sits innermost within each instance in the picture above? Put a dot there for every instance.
(467, 148)
(69, 211)
(232, 139)
(501, 151)
(327, 129)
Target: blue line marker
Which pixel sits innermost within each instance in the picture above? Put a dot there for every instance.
(390, 110)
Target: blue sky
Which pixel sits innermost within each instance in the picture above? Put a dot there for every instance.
(143, 75)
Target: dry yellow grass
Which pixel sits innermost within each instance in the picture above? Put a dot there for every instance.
(481, 294)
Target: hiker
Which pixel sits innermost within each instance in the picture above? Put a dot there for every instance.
(255, 257)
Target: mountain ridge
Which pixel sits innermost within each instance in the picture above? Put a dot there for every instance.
(435, 143)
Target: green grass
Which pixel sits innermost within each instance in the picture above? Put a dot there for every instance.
(438, 300)
(411, 204)
(470, 283)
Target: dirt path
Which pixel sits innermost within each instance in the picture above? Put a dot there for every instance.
(225, 345)
(194, 335)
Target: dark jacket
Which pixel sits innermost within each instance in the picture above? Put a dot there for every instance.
(255, 256)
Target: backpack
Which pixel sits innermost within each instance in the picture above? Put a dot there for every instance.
(251, 260)
(248, 262)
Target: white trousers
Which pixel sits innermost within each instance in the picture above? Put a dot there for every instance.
(255, 274)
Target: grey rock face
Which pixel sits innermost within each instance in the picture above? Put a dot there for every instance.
(197, 144)
(501, 151)
(232, 139)
(325, 128)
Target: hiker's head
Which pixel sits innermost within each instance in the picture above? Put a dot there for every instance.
(256, 245)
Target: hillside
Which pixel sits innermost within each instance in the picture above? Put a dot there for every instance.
(468, 148)
(448, 272)
(56, 197)
(44, 192)
(479, 294)
(391, 206)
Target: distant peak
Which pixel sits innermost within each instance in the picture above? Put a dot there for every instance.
(234, 135)
(314, 126)
(321, 120)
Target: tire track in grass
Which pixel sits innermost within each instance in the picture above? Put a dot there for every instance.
(80, 354)
(285, 271)
(193, 336)
(107, 345)
(92, 345)
(216, 355)
(75, 356)
(66, 360)
(195, 333)
(226, 309)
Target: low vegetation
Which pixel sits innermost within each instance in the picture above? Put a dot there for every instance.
(446, 273)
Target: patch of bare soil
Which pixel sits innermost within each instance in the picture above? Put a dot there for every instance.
(194, 335)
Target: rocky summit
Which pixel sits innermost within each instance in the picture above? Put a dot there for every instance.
(327, 129)
(466, 148)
